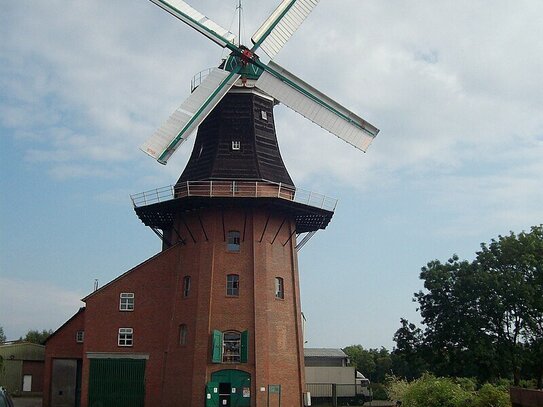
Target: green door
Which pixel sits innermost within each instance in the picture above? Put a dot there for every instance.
(117, 383)
(212, 394)
(240, 386)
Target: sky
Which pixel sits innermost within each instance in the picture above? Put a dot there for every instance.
(455, 87)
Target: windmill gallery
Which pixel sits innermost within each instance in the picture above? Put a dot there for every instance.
(214, 319)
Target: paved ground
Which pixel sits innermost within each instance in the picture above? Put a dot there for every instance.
(27, 401)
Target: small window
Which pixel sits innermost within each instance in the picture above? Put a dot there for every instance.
(232, 285)
(279, 288)
(126, 302)
(126, 337)
(264, 115)
(236, 145)
(183, 334)
(233, 241)
(80, 336)
(186, 286)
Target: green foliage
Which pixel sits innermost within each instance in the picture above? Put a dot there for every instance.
(375, 364)
(492, 396)
(431, 391)
(396, 388)
(36, 336)
(379, 391)
(483, 318)
(2, 335)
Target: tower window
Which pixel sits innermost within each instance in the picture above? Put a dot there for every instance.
(126, 302)
(232, 285)
(236, 145)
(233, 241)
(264, 115)
(125, 337)
(79, 336)
(231, 347)
(279, 288)
(183, 334)
(186, 286)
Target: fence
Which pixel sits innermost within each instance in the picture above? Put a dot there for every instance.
(333, 394)
(235, 189)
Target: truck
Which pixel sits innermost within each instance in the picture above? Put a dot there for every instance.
(343, 383)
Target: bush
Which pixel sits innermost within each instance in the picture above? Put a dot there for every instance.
(431, 391)
(396, 388)
(379, 391)
(492, 396)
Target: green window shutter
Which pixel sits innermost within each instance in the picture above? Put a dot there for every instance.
(216, 350)
(244, 346)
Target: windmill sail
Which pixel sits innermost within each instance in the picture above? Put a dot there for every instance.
(163, 143)
(197, 20)
(281, 24)
(316, 106)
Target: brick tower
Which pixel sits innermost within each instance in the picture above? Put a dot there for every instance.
(235, 337)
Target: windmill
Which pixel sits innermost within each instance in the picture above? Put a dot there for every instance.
(229, 225)
(271, 78)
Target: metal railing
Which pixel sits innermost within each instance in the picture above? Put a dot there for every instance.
(235, 189)
(336, 394)
(198, 78)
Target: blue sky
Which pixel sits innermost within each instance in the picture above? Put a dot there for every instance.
(455, 87)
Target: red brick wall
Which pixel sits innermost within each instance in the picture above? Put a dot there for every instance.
(176, 374)
(62, 344)
(35, 369)
(275, 351)
(153, 283)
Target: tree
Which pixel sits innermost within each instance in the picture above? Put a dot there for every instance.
(36, 336)
(483, 318)
(408, 356)
(2, 335)
(375, 364)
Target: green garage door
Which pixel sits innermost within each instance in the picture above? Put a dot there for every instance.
(117, 383)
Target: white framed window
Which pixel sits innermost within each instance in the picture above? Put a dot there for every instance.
(231, 347)
(236, 145)
(80, 336)
(279, 288)
(183, 334)
(232, 285)
(233, 241)
(186, 286)
(126, 302)
(126, 337)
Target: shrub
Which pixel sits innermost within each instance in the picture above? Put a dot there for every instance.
(396, 388)
(430, 391)
(492, 396)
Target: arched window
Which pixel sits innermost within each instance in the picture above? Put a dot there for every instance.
(232, 285)
(279, 288)
(183, 333)
(231, 347)
(186, 286)
(233, 241)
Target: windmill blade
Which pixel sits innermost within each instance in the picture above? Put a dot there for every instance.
(179, 126)
(281, 24)
(198, 21)
(316, 106)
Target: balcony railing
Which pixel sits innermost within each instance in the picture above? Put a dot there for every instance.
(234, 189)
